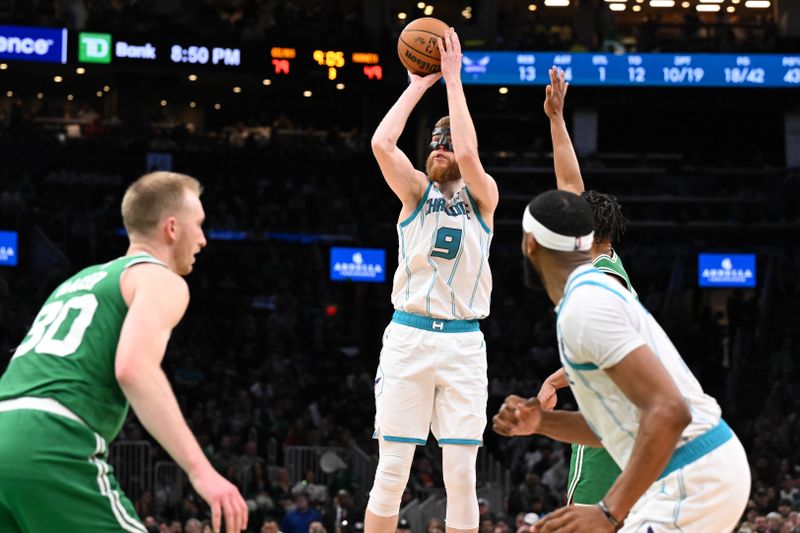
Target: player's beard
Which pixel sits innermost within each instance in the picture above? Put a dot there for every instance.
(442, 173)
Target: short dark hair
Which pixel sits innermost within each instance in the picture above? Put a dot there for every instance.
(609, 224)
(562, 212)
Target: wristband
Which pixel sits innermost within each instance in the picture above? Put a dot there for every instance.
(610, 517)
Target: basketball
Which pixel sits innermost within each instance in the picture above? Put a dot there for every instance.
(417, 46)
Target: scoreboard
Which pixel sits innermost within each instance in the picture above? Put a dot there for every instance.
(664, 70)
(302, 64)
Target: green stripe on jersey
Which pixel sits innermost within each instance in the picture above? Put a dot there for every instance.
(613, 265)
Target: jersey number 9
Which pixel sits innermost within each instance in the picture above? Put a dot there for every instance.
(448, 242)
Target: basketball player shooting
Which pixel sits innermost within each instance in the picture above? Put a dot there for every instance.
(432, 371)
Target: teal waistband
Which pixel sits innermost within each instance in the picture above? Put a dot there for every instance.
(435, 324)
(698, 447)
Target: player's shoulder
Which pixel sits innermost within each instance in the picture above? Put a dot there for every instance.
(592, 291)
(154, 278)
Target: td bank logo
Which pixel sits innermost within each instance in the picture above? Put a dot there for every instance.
(94, 47)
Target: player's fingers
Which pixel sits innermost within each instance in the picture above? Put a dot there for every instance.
(566, 86)
(440, 45)
(216, 516)
(553, 521)
(531, 403)
(507, 412)
(456, 42)
(513, 399)
(231, 520)
(501, 426)
(245, 512)
(548, 91)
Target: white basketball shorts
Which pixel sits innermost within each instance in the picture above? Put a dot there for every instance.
(707, 496)
(431, 376)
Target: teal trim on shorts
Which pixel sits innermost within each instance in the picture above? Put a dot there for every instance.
(435, 324)
(410, 440)
(698, 447)
(581, 366)
(464, 442)
(413, 215)
(477, 211)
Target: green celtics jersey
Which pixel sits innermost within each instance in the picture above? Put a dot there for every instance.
(68, 354)
(613, 265)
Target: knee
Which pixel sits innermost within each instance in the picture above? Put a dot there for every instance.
(392, 473)
(390, 480)
(459, 476)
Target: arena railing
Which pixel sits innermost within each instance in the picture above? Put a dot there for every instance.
(132, 464)
(301, 459)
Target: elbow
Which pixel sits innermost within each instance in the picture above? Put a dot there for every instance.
(676, 415)
(381, 144)
(125, 376)
(468, 157)
(126, 373)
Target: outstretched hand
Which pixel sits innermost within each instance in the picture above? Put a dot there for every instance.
(555, 93)
(518, 416)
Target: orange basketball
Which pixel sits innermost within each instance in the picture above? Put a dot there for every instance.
(417, 46)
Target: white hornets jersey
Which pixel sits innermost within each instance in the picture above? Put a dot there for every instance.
(443, 259)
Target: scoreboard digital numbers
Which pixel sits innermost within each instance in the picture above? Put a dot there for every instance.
(204, 55)
(662, 70)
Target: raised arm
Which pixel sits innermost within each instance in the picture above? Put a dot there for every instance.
(568, 172)
(465, 141)
(405, 181)
(157, 299)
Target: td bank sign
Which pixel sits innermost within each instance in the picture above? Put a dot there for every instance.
(97, 48)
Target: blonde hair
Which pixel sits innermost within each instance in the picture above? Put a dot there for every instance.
(152, 196)
(443, 122)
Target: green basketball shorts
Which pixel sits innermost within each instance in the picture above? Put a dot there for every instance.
(591, 473)
(54, 475)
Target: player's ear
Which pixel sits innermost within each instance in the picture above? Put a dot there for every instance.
(170, 225)
(529, 244)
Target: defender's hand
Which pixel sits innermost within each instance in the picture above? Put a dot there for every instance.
(555, 93)
(547, 396)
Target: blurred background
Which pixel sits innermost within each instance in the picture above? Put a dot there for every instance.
(688, 111)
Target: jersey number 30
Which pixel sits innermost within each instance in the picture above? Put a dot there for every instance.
(448, 242)
(67, 320)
